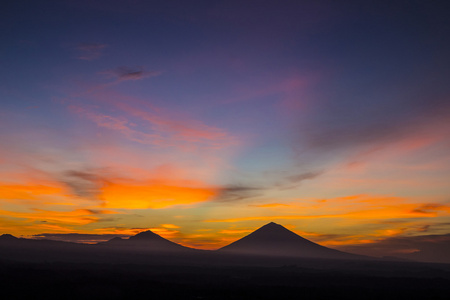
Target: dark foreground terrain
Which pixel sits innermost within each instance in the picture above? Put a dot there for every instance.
(338, 280)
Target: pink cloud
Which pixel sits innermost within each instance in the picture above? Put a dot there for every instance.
(185, 130)
(144, 123)
(120, 125)
(290, 90)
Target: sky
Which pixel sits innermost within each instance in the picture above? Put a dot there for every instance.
(204, 120)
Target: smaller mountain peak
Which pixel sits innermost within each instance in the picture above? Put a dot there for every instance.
(7, 237)
(116, 239)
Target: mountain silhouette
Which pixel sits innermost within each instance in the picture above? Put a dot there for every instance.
(146, 240)
(8, 238)
(275, 240)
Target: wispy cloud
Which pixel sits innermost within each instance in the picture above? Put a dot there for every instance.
(271, 205)
(121, 125)
(303, 176)
(188, 130)
(293, 181)
(129, 73)
(90, 51)
(431, 208)
(70, 218)
(239, 192)
(150, 126)
(236, 193)
(83, 183)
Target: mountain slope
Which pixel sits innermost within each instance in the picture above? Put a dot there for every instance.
(275, 240)
(148, 241)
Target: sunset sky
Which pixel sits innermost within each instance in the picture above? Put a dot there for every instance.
(204, 120)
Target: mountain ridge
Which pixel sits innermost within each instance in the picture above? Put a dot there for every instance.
(271, 239)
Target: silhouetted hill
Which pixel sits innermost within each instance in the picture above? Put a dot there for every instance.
(117, 240)
(7, 238)
(148, 241)
(270, 245)
(34, 250)
(275, 240)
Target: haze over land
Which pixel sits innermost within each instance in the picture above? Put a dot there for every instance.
(202, 122)
(271, 244)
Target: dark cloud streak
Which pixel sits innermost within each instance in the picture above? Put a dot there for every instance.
(293, 181)
(78, 237)
(130, 73)
(234, 193)
(83, 183)
(241, 192)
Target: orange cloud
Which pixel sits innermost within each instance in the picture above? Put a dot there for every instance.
(431, 208)
(352, 208)
(235, 231)
(349, 241)
(266, 218)
(120, 230)
(170, 226)
(27, 191)
(75, 217)
(52, 228)
(207, 241)
(270, 205)
(164, 232)
(155, 194)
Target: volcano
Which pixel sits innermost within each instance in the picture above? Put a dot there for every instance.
(275, 240)
(8, 238)
(146, 240)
